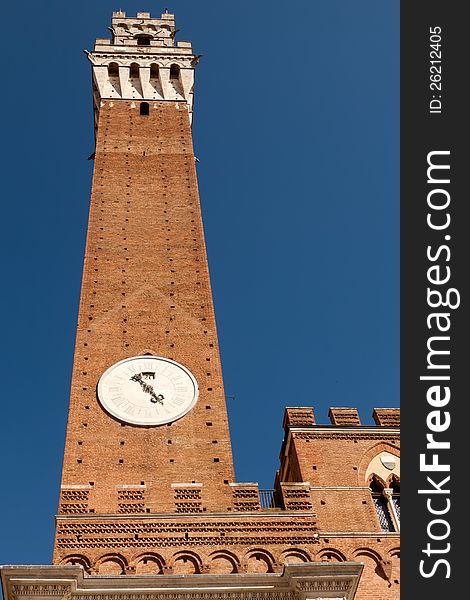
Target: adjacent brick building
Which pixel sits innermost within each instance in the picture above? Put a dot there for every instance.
(143, 505)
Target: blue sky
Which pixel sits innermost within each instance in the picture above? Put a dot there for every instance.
(296, 127)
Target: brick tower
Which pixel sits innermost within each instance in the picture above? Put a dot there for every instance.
(149, 507)
(145, 291)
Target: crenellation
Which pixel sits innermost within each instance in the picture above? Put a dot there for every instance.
(386, 417)
(344, 416)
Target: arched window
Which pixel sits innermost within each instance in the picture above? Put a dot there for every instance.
(153, 71)
(174, 72)
(395, 497)
(143, 40)
(134, 70)
(381, 504)
(144, 109)
(113, 70)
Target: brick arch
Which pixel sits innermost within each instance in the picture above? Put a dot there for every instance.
(259, 560)
(377, 571)
(326, 554)
(148, 352)
(371, 453)
(394, 552)
(77, 559)
(223, 561)
(111, 564)
(296, 553)
(370, 553)
(186, 562)
(149, 563)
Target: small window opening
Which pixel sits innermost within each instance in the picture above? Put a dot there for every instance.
(143, 40)
(154, 71)
(144, 109)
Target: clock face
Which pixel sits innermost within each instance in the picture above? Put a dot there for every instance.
(147, 390)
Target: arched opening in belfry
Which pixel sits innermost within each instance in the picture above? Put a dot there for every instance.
(113, 70)
(174, 72)
(134, 70)
(154, 71)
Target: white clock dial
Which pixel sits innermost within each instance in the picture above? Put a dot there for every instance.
(147, 390)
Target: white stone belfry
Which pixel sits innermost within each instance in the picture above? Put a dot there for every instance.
(142, 62)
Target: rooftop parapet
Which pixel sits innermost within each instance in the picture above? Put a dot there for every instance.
(386, 417)
(304, 417)
(143, 30)
(298, 416)
(344, 416)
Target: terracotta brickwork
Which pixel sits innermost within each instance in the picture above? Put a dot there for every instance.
(223, 544)
(337, 463)
(145, 289)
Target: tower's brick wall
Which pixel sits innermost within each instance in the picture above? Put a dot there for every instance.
(145, 289)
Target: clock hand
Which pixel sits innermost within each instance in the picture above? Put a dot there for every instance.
(148, 389)
(156, 398)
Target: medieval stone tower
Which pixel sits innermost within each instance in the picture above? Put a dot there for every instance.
(149, 507)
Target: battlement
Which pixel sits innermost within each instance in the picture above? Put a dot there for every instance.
(387, 417)
(143, 30)
(298, 416)
(121, 14)
(344, 416)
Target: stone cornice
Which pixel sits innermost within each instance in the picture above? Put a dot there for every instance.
(297, 582)
(103, 56)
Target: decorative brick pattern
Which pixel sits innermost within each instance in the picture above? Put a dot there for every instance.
(296, 496)
(246, 499)
(188, 500)
(73, 502)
